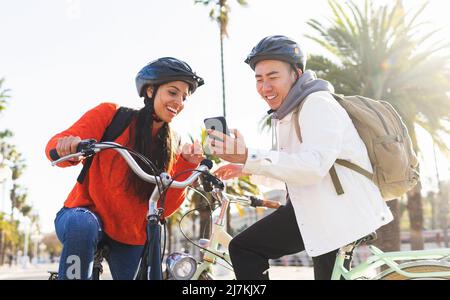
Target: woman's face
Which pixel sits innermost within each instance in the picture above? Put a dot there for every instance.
(169, 99)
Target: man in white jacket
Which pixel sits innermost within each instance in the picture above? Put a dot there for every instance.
(315, 218)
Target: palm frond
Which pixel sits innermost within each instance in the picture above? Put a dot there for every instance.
(383, 52)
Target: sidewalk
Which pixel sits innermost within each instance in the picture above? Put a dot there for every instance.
(291, 273)
(281, 273)
(39, 272)
(31, 272)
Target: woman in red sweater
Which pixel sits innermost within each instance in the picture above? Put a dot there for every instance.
(111, 203)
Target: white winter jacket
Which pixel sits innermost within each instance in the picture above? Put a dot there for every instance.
(326, 221)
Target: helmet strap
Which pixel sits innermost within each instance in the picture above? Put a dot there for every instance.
(294, 67)
(150, 105)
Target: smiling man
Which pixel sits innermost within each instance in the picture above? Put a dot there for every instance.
(317, 218)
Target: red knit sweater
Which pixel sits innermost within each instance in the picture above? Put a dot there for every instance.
(103, 191)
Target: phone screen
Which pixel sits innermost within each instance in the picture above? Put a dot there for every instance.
(218, 124)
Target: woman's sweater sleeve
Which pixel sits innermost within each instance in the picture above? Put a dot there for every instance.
(91, 125)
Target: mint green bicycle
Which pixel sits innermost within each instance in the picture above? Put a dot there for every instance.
(215, 249)
(401, 265)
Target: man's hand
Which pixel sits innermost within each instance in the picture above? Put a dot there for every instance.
(192, 153)
(230, 149)
(230, 171)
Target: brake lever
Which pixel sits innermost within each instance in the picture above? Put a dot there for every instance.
(209, 181)
(85, 149)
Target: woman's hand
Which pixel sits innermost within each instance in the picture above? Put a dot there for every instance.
(192, 153)
(68, 145)
(230, 171)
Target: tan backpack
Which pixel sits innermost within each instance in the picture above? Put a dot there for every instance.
(394, 163)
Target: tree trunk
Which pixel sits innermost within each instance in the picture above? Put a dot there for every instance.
(433, 198)
(414, 205)
(1, 246)
(169, 236)
(415, 212)
(205, 214)
(443, 207)
(388, 236)
(223, 71)
(3, 250)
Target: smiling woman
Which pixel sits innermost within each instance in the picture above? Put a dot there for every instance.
(169, 101)
(109, 194)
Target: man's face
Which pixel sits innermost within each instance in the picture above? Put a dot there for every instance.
(274, 79)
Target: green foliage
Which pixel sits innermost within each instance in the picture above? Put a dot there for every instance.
(382, 52)
(53, 246)
(10, 230)
(242, 186)
(10, 156)
(265, 123)
(220, 12)
(3, 95)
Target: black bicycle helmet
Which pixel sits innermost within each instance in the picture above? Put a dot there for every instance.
(277, 47)
(166, 69)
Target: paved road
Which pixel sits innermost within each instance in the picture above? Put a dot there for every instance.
(31, 272)
(39, 272)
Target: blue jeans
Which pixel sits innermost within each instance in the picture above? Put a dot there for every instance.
(80, 230)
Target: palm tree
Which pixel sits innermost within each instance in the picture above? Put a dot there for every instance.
(18, 194)
(384, 53)
(52, 245)
(10, 236)
(220, 12)
(3, 95)
(5, 228)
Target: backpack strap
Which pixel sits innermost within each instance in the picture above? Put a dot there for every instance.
(333, 174)
(118, 124)
(355, 168)
(336, 182)
(295, 115)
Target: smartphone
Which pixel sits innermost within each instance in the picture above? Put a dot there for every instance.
(218, 124)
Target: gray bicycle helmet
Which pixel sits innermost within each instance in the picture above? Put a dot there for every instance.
(277, 47)
(166, 69)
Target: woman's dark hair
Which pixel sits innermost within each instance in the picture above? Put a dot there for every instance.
(158, 149)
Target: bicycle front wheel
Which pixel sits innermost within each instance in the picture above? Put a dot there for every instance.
(417, 267)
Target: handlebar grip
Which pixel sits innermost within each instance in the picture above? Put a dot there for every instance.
(207, 162)
(270, 203)
(266, 203)
(54, 154)
(81, 146)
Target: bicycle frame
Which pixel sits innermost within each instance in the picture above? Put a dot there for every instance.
(218, 237)
(380, 258)
(149, 267)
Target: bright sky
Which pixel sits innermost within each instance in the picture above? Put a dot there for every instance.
(61, 58)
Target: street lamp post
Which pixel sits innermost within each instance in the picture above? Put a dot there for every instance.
(5, 174)
(36, 238)
(25, 257)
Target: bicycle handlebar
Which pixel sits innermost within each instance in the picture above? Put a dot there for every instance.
(90, 146)
(263, 202)
(254, 201)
